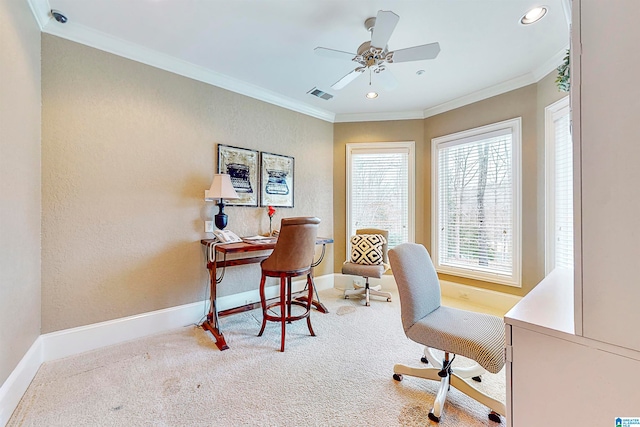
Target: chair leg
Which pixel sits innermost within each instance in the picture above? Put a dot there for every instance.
(367, 292)
(263, 303)
(283, 308)
(288, 296)
(380, 293)
(441, 397)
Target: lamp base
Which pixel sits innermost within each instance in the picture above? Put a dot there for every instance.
(221, 217)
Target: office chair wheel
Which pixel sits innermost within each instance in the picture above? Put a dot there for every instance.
(424, 360)
(433, 417)
(397, 377)
(494, 416)
(388, 299)
(346, 297)
(477, 379)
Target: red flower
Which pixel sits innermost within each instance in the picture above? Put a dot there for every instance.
(271, 211)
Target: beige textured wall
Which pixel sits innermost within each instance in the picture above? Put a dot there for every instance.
(127, 153)
(385, 131)
(528, 102)
(19, 183)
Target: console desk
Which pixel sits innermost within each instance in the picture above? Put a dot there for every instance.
(216, 250)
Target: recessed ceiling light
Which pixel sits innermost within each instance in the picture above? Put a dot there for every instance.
(533, 15)
(372, 95)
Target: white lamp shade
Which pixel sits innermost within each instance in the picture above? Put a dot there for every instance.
(221, 188)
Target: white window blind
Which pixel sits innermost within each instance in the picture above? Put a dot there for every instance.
(379, 189)
(559, 187)
(476, 201)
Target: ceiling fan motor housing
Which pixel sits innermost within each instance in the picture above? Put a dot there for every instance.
(371, 56)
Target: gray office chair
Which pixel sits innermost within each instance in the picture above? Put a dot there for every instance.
(367, 271)
(478, 336)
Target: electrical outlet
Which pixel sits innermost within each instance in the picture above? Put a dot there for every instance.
(208, 226)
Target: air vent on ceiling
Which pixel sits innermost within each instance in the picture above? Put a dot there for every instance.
(320, 94)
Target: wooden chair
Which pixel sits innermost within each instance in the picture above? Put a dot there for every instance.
(291, 257)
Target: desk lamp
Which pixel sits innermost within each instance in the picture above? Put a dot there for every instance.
(221, 188)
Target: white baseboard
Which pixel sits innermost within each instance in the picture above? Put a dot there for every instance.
(16, 385)
(90, 337)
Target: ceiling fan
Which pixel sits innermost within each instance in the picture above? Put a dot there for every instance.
(374, 55)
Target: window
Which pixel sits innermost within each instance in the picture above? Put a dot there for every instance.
(476, 203)
(559, 186)
(380, 189)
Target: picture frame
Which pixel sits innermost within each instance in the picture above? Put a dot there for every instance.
(242, 165)
(276, 180)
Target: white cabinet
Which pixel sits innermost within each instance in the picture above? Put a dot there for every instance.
(557, 378)
(609, 121)
(558, 381)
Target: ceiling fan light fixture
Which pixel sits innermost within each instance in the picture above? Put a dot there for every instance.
(534, 15)
(372, 95)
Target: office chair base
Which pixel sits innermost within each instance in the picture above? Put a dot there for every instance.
(456, 378)
(367, 291)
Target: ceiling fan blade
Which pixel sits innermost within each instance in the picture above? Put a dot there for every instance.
(387, 79)
(416, 53)
(386, 22)
(332, 53)
(347, 79)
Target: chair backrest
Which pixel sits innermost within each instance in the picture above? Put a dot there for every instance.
(418, 284)
(296, 245)
(385, 234)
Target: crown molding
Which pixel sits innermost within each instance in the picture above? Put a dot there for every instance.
(40, 10)
(489, 92)
(551, 64)
(378, 117)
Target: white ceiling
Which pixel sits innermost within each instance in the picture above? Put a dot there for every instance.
(265, 48)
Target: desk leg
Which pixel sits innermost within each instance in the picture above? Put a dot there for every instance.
(212, 324)
(316, 302)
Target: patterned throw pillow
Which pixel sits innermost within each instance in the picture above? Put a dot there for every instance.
(366, 249)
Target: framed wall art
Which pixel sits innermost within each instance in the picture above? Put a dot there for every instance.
(276, 180)
(242, 165)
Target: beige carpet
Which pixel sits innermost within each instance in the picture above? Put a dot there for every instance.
(341, 377)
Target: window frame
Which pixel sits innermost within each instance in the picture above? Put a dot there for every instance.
(380, 147)
(550, 171)
(515, 127)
